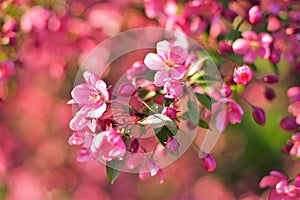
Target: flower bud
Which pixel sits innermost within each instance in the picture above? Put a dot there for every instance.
(134, 145)
(270, 94)
(242, 75)
(255, 15)
(259, 115)
(294, 94)
(273, 24)
(226, 91)
(138, 68)
(172, 145)
(297, 181)
(270, 78)
(275, 57)
(170, 112)
(224, 47)
(288, 124)
(209, 163)
(126, 89)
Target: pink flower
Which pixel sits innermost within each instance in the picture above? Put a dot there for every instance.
(172, 89)
(92, 95)
(242, 75)
(108, 145)
(232, 113)
(168, 62)
(255, 15)
(252, 45)
(281, 187)
(80, 121)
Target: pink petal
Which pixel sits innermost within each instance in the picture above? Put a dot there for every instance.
(100, 85)
(134, 161)
(265, 38)
(250, 35)
(96, 111)
(160, 76)
(234, 117)
(268, 181)
(221, 120)
(250, 57)
(90, 77)
(241, 46)
(178, 72)
(154, 62)
(178, 55)
(264, 52)
(81, 94)
(75, 140)
(84, 155)
(97, 142)
(163, 49)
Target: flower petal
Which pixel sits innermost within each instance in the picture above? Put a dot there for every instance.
(250, 35)
(250, 57)
(154, 62)
(241, 46)
(81, 94)
(96, 112)
(163, 49)
(178, 55)
(160, 76)
(221, 120)
(178, 72)
(90, 77)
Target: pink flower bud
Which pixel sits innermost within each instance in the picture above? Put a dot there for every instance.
(172, 144)
(126, 89)
(134, 146)
(273, 24)
(288, 124)
(275, 57)
(225, 47)
(229, 14)
(294, 94)
(170, 112)
(270, 78)
(226, 91)
(259, 115)
(255, 15)
(270, 93)
(242, 75)
(209, 163)
(84, 155)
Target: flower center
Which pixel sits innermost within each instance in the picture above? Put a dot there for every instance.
(254, 45)
(169, 63)
(96, 97)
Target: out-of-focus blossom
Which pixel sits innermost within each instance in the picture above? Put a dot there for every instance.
(35, 19)
(7, 69)
(172, 144)
(173, 89)
(242, 75)
(225, 47)
(92, 95)
(259, 115)
(255, 15)
(108, 145)
(168, 62)
(253, 45)
(294, 94)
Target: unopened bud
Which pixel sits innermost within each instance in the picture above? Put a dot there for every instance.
(259, 115)
(288, 124)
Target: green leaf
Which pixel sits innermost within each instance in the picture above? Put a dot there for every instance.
(233, 35)
(235, 58)
(203, 124)
(193, 112)
(163, 134)
(205, 100)
(111, 169)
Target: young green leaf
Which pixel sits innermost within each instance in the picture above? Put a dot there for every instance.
(193, 112)
(111, 169)
(205, 100)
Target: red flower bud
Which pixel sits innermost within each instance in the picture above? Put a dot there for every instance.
(270, 94)
(170, 112)
(134, 146)
(259, 115)
(288, 124)
(209, 163)
(270, 78)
